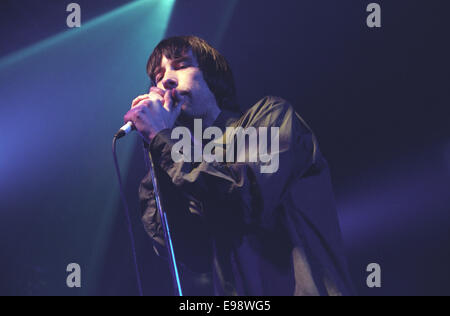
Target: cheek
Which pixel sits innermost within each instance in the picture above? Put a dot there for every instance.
(195, 79)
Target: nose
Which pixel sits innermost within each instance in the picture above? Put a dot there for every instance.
(170, 83)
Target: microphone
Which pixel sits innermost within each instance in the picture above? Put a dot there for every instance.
(124, 130)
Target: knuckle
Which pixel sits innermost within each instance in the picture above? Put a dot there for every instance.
(143, 103)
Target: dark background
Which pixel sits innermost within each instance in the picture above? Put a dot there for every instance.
(377, 100)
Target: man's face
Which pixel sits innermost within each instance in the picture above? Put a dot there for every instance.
(184, 75)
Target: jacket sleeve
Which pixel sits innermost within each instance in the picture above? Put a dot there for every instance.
(241, 185)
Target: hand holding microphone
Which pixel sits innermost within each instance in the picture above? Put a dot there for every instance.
(151, 113)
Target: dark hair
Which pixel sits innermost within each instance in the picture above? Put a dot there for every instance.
(214, 67)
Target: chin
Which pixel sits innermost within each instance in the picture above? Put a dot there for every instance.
(188, 111)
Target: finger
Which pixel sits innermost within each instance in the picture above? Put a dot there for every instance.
(177, 98)
(129, 116)
(139, 99)
(148, 100)
(156, 95)
(133, 116)
(157, 90)
(168, 101)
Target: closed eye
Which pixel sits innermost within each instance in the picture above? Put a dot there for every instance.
(177, 64)
(181, 66)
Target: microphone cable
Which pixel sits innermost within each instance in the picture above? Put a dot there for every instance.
(127, 215)
(124, 130)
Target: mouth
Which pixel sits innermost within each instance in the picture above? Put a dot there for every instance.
(176, 95)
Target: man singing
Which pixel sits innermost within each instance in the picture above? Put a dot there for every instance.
(257, 233)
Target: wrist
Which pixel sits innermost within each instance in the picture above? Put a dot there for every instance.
(161, 144)
(155, 132)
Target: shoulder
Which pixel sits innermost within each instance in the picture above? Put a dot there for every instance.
(269, 104)
(272, 111)
(269, 111)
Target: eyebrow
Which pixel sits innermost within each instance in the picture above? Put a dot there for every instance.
(181, 59)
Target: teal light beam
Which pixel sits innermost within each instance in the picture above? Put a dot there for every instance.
(164, 6)
(154, 17)
(224, 21)
(66, 97)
